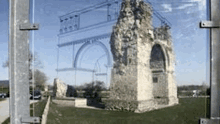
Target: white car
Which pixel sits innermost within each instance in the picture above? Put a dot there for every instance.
(2, 95)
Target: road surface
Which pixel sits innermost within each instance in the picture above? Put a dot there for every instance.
(4, 109)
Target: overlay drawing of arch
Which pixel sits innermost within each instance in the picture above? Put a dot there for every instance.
(93, 43)
(158, 54)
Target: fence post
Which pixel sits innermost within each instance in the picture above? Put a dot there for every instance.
(18, 62)
(214, 25)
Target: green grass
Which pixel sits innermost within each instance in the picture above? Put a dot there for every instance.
(4, 90)
(2, 99)
(38, 110)
(189, 111)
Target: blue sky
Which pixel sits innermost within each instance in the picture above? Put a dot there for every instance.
(190, 42)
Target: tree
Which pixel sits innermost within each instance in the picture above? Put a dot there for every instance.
(34, 63)
(37, 62)
(40, 79)
(94, 88)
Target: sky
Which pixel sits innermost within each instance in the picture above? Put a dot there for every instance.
(190, 42)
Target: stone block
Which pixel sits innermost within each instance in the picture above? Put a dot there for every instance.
(80, 102)
(63, 102)
(60, 88)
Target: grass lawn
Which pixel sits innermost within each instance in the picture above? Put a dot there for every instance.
(2, 99)
(4, 90)
(187, 112)
(38, 110)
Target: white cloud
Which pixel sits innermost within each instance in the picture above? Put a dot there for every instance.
(201, 6)
(201, 3)
(185, 6)
(167, 7)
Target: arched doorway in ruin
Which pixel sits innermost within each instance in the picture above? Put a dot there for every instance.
(158, 68)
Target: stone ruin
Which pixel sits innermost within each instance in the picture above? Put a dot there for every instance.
(143, 70)
(65, 95)
(62, 90)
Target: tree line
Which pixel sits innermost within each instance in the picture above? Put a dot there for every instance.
(35, 65)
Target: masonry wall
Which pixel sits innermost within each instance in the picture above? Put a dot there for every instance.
(132, 40)
(160, 88)
(144, 73)
(124, 87)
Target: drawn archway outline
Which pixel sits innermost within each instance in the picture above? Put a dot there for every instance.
(72, 33)
(85, 45)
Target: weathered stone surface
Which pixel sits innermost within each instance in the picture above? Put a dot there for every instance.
(80, 102)
(65, 102)
(124, 86)
(140, 55)
(60, 88)
(74, 102)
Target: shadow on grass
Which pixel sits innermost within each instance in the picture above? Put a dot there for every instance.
(189, 111)
(95, 102)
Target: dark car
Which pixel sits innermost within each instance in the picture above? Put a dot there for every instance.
(8, 94)
(36, 95)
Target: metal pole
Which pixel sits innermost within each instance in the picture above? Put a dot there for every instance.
(215, 60)
(18, 62)
(214, 26)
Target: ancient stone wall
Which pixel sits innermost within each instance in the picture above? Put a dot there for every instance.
(160, 86)
(131, 74)
(132, 42)
(124, 86)
(60, 88)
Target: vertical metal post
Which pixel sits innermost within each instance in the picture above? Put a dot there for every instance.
(93, 76)
(18, 58)
(57, 60)
(108, 16)
(214, 25)
(107, 75)
(78, 21)
(215, 60)
(73, 55)
(18, 62)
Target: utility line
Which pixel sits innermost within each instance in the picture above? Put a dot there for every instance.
(33, 59)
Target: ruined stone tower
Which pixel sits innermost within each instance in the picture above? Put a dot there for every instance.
(142, 76)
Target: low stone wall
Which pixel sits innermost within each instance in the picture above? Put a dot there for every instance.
(73, 102)
(46, 109)
(80, 102)
(65, 102)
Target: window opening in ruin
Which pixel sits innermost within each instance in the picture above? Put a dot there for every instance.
(155, 80)
(157, 58)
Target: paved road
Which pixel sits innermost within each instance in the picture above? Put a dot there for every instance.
(4, 109)
(193, 97)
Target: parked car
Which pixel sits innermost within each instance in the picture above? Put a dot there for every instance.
(8, 94)
(36, 95)
(3, 95)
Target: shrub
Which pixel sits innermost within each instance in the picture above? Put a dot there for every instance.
(71, 91)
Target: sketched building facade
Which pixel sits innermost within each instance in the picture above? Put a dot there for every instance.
(140, 57)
